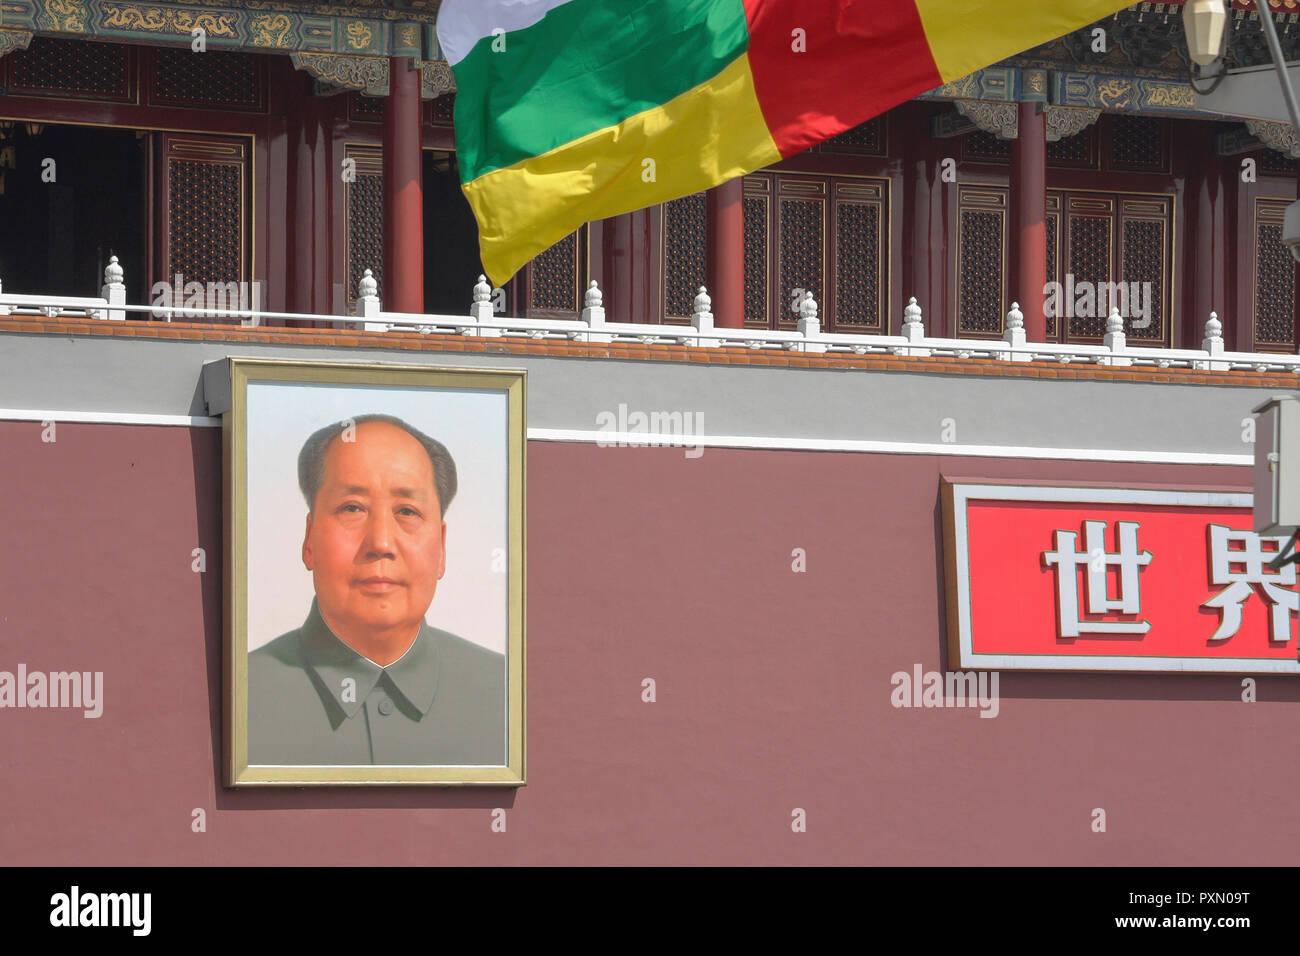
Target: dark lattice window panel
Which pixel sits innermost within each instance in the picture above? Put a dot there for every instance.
(756, 260)
(1071, 150)
(554, 286)
(364, 223)
(1090, 238)
(1273, 163)
(73, 69)
(685, 252)
(205, 202)
(802, 260)
(981, 265)
(857, 266)
(1053, 251)
(365, 109)
(979, 146)
(1074, 152)
(444, 109)
(365, 232)
(1274, 289)
(1143, 250)
(868, 139)
(1140, 144)
(217, 80)
(1090, 251)
(981, 273)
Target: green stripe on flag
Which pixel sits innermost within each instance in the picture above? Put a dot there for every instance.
(587, 65)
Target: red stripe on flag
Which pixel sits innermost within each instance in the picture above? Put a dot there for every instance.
(861, 57)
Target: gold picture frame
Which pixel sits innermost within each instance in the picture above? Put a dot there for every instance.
(303, 392)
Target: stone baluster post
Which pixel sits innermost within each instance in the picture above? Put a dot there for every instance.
(809, 325)
(367, 304)
(1115, 339)
(1213, 344)
(914, 328)
(113, 290)
(702, 318)
(593, 313)
(1014, 335)
(481, 309)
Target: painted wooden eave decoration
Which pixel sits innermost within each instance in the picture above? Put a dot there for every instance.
(345, 46)
(370, 28)
(1280, 6)
(1142, 67)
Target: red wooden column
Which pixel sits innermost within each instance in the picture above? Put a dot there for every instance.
(631, 267)
(617, 255)
(1029, 185)
(1206, 227)
(403, 288)
(726, 253)
(924, 236)
(307, 230)
(919, 173)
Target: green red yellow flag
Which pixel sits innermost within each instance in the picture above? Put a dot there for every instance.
(569, 111)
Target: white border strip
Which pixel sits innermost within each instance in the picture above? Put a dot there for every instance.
(964, 493)
(888, 447)
(107, 418)
(637, 439)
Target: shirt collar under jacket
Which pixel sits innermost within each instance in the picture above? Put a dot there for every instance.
(413, 677)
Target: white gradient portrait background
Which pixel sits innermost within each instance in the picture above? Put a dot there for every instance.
(472, 599)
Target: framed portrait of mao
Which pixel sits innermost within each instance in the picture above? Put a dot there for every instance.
(374, 574)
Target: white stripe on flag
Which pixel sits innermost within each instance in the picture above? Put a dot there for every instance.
(462, 23)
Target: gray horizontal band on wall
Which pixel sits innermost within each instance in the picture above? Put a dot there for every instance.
(638, 439)
(916, 412)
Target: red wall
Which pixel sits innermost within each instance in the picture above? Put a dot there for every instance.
(773, 687)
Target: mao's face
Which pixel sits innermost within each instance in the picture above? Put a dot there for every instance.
(375, 538)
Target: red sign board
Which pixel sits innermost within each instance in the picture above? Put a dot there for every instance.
(1115, 579)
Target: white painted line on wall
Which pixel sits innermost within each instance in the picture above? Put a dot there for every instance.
(891, 447)
(592, 436)
(106, 418)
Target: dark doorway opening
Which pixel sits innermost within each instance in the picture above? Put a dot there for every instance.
(72, 197)
(451, 260)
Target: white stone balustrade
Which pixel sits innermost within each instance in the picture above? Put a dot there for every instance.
(594, 326)
(112, 293)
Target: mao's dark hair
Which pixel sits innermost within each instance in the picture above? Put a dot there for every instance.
(311, 460)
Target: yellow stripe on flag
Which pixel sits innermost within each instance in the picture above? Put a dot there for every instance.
(968, 35)
(706, 136)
